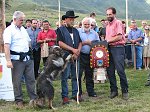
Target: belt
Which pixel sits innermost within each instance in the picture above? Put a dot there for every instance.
(23, 56)
(116, 45)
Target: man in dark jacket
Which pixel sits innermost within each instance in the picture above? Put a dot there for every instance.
(68, 38)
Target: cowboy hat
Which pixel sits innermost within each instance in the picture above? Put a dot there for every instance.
(70, 14)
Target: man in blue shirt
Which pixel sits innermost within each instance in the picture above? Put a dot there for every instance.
(87, 35)
(136, 37)
(33, 33)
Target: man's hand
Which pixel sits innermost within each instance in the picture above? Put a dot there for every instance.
(137, 43)
(76, 52)
(133, 41)
(87, 42)
(74, 57)
(108, 41)
(9, 64)
(114, 38)
(48, 40)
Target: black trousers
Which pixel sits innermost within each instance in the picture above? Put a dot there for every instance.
(117, 56)
(85, 67)
(37, 58)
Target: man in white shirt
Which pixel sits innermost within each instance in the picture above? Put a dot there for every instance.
(19, 57)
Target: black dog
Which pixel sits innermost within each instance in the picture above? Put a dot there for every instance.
(55, 65)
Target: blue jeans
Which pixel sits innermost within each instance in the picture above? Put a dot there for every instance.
(71, 68)
(139, 54)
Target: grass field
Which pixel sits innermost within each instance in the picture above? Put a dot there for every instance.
(139, 100)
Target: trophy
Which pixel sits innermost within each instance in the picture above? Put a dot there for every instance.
(99, 60)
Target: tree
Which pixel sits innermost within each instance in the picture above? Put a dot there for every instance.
(2, 24)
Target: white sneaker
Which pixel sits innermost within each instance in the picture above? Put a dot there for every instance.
(139, 68)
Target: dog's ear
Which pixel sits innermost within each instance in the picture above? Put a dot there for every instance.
(61, 49)
(51, 50)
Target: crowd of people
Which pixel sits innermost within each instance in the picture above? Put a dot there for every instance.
(23, 46)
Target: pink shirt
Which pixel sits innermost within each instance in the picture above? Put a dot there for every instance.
(113, 29)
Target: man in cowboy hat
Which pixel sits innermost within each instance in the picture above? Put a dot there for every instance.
(68, 38)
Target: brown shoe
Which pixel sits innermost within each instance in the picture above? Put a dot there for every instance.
(19, 105)
(79, 98)
(65, 100)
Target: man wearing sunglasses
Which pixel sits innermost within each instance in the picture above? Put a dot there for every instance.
(19, 58)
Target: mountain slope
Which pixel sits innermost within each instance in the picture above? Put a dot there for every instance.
(148, 1)
(138, 9)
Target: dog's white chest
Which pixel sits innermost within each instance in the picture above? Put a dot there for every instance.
(59, 62)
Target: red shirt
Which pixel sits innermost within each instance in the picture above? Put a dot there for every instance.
(113, 29)
(50, 34)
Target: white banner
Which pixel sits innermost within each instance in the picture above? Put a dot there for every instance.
(6, 86)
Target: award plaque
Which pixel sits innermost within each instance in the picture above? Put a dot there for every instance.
(99, 56)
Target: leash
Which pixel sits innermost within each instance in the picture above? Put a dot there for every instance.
(77, 81)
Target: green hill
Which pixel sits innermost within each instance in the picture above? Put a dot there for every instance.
(138, 9)
(48, 9)
(39, 11)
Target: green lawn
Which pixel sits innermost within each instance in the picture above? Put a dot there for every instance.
(139, 100)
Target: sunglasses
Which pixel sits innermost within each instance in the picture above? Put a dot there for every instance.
(147, 29)
(21, 20)
(92, 25)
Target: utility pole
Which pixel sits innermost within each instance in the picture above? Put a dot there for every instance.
(2, 24)
(127, 26)
(59, 11)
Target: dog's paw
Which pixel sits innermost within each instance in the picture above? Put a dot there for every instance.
(39, 103)
(68, 57)
(54, 109)
(32, 103)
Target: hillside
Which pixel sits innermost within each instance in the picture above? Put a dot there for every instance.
(39, 11)
(148, 1)
(138, 9)
(46, 9)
